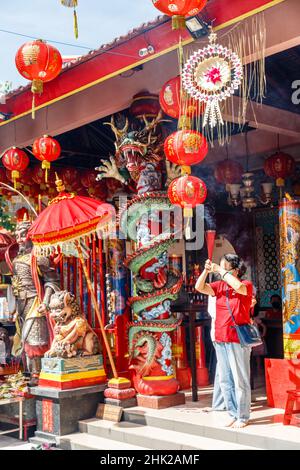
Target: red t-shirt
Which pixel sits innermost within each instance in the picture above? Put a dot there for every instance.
(240, 306)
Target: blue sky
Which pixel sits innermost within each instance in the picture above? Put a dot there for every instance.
(100, 21)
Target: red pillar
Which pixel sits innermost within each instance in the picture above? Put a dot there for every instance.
(202, 371)
(183, 372)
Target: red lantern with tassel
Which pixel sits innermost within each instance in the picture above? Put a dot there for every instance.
(280, 166)
(47, 150)
(228, 172)
(39, 62)
(186, 147)
(172, 103)
(15, 160)
(187, 191)
(179, 9)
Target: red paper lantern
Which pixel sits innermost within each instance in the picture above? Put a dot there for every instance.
(228, 172)
(296, 188)
(145, 104)
(39, 62)
(179, 9)
(88, 178)
(169, 97)
(15, 160)
(113, 186)
(100, 191)
(187, 191)
(279, 166)
(35, 190)
(186, 147)
(3, 179)
(37, 175)
(172, 104)
(47, 150)
(95, 189)
(70, 177)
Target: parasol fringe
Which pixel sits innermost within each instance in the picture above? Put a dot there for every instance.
(68, 248)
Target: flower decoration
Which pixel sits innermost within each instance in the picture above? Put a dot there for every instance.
(211, 75)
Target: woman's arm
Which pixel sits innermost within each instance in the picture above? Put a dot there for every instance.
(201, 285)
(231, 280)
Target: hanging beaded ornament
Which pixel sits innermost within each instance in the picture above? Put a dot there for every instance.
(212, 75)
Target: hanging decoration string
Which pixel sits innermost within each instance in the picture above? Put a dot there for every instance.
(225, 79)
(72, 4)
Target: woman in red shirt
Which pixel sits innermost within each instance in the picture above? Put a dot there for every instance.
(233, 360)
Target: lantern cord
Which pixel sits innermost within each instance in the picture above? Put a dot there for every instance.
(10, 188)
(247, 151)
(33, 107)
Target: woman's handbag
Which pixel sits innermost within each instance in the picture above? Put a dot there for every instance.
(248, 334)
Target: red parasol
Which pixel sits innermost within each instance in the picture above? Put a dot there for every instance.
(67, 220)
(63, 228)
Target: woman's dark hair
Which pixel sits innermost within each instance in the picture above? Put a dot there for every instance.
(235, 263)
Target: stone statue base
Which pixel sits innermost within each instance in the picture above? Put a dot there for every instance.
(66, 374)
(58, 411)
(157, 403)
(120, 393)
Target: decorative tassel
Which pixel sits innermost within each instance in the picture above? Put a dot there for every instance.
(178, 22)
(185, 170)
(184, 123)
(40, 203)
(36, 87)
(46, 167)
(75, 24)
(72, 4)
(188, 214)
(33, 107)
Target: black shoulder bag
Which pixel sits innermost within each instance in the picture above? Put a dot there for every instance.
(248, 334)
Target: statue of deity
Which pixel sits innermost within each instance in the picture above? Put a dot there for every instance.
(34, 281)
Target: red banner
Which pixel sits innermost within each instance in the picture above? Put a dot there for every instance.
(47, 415)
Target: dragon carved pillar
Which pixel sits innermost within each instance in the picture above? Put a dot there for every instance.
(138, 162)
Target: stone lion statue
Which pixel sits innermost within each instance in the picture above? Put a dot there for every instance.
(73, 336)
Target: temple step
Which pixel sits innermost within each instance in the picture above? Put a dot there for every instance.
(267, 437)
(85, 441)
(127, 434)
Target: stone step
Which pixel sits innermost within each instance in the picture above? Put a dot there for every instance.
(249, 436)
(36, 440)
(151, 437)
(84, 441)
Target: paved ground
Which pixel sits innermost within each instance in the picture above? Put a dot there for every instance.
(10, 443)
